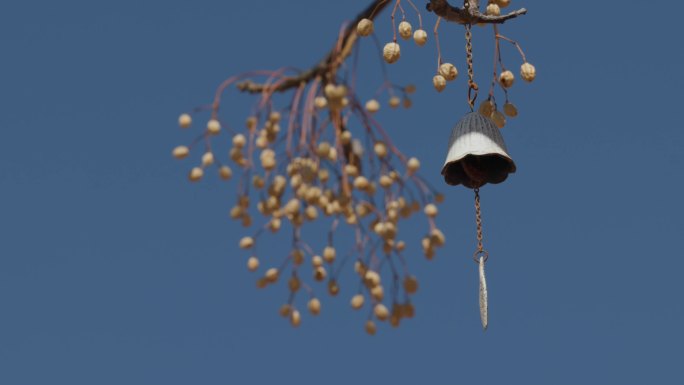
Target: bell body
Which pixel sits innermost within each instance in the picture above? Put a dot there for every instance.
(477, 153)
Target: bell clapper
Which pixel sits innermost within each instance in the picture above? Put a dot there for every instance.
(481, 257)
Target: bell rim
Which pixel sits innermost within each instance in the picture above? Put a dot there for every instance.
(507, 158)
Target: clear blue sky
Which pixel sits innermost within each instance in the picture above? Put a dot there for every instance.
(115, 270)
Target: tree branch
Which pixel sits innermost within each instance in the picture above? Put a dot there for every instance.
(326, 66)
(469, 14)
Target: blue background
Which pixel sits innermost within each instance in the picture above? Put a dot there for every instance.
(115, 270)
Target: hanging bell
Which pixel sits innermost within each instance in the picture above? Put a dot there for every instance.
(477, 153)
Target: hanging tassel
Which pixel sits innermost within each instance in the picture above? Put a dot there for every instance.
(484, 307)
(480, 258)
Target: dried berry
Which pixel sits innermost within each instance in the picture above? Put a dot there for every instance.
(252, 263)
(528, 72)
(506, 79)
(372, 106)
(180, 152)
(405, 30)
(184, 121)
(498, 118)
(357, 301)
(391, 52)
(207, 159)
(420, 37)
(493, 10)
(439, 82)
(431, 210)
(364, 27)
(246, 242)
(486, 108)
(413, 165)
(225, 172)
(510, 110)
(314, 306)
(214, 127)
(196, 174)
(448, 71)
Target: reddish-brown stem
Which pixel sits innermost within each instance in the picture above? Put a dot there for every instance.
(439, 50)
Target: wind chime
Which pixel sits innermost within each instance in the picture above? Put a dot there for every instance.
(326, 170)
(477, 155)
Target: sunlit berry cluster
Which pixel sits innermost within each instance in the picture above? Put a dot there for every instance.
(323, 163)
(447, 72)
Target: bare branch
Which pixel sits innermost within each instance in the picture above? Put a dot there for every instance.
(326, 66)
(469, 14)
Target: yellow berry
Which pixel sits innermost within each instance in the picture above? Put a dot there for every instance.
(274, 224)
(239, 141)
(498, 118)
(493, 10)
(323, 149)
(311, 213)
(184, 121)
(437, 237)
(391, 52)
(420, 37)
(370, 327)
(333, 289)
(380, 149)
(314, 306)
(251, 123)
(320, 102)
(407, 103)
(413, 165)
(364, 27)
(196, 174)
(486, 108)
(410, 284)
(213, 126)
(372, 278)
(357, 301)
(439, 82)
(294, 284)
(430, 210)
(385, 181)
(381, 311)
(271, 275)
(372, 106)
(285, 310)
(378, 293)
(329, 254)
(510, 110)
(405, 30)
(207, 159)
(225, 172)
(252, 263)
(317, 261)
(180, 152)
(246, 242)
(503, 3)
(528, 72)
(361, 183)
(345, 137)
(448, 71)
(295, 318)
(506, 79)
(320, 273)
